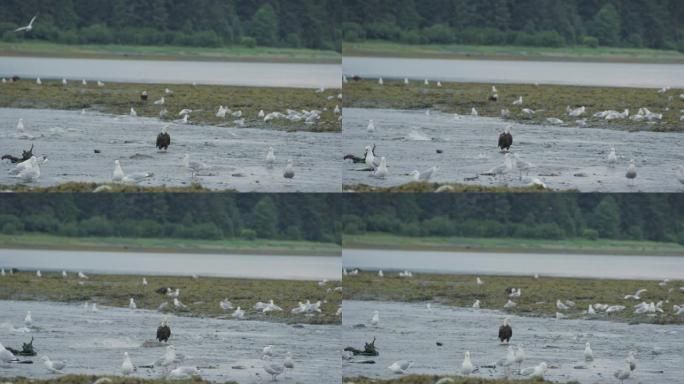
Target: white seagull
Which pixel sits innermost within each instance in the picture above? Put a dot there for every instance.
(29, 27)
(375, 320)
(381, 172)
(400, 367)
(588, 353)
(28, 320)
(467, 366)
(535, 372)
(160, 101)
(637, 295)
(371, 126)
(424, 176)
(631, 172)
(225, 304)
(193, 166)
(270, 157)
(612, 157)
(131, 304)
(238, 314)
(53, 366)
(127, 367)
(289, 172)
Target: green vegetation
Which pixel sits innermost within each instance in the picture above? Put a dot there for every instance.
(206, 23)
(310, 217)
(381, 48)
(538, 295)
(74, 379)
(431, 379)
(93, 187)
(204, 100)
(564, 216)
(201, 295)
(423, 187)
(173, 245)
(543, 23)
(508, 244)
(550, 101)
(169, 52)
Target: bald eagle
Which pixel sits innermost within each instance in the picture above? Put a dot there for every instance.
(505, 331)
(163, 139)
(506, 140)
(163, 331)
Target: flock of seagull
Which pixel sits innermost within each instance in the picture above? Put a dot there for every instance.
(28, 170)
(171, 359)
(378, 167)
(516, 356)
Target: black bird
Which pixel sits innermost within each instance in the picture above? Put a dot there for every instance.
(163, 139)
(505, 331)
(494, 98)
(163, 331)
(506, 140)
(144, 96)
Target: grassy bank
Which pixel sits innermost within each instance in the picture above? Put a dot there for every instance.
(431, 379)
(466, 244)
(538, 295)
(169, 52)
(202, 295)
(488, 52)
(82, 379)
(422, 187)
(204, 100)
(168, 245)
(550, 101)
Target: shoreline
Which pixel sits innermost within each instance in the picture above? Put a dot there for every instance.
(388, 49)
(113, 379)
(436, 244)
(170, 53)
(549, 101)
(118, 99)
(201, 295)
(537, 300)
(432, 379)
(217, 247)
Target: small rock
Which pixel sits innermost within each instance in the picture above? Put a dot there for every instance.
(440, 151)
(580, 174)
(97, 151)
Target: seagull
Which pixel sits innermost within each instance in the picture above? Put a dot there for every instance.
(185, 112)
(84, 82)
(267, 350)
(30, 173)
(479, 281)
(238, 314)
(380, 274)
(591, 310)
(467, 366)
(185, 372)
(520, 355)
(82, 275)
(371, 126)
(612, 157)
(38, 274)
(160, 101)
(560, 316)
(561, 306)
(380, 82)
(381, 172)
(473, 112)
(289, 172)
(144, 282)
(588, 353)
(631, 360)
(528, 112)
(535, 372)
(375, 319)
(225, 304)
(168, 358)
(637, 295)
(29, 27)
(177, 303)
(274, 370)
(28, 320)
(64, 274)
(519, 101)
(289, 362)
(127, 367)
(631, 172)
(94, 308)
(406, 81)
(424, 176)
(522, 165)
(53, 366)
(131, 304)
(476, 304)
(623, 374)
(270, 157)
(133, 113)
(7, 356)
(193, 166)
(509, 360)
(100, 84)
(615, 308)
(400, 367)
(38, 81)
(503, 169)
(261, 114)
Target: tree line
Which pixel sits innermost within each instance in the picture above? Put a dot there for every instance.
(311, 24)
(656, 217)
(555, 23)
(312, 217)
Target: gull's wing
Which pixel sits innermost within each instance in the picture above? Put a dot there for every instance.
(32, 20)
(20, 29)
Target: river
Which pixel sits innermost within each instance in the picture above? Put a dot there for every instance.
(94, 344)
(410, 332)
(516, 72)
(176, 72)
(177, 264)
(528, 264)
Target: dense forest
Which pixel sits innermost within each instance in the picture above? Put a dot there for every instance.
(657, 217)
(311, 24)
(555, 23)
(299, 216)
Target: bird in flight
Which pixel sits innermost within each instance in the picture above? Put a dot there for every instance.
(27, 28)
